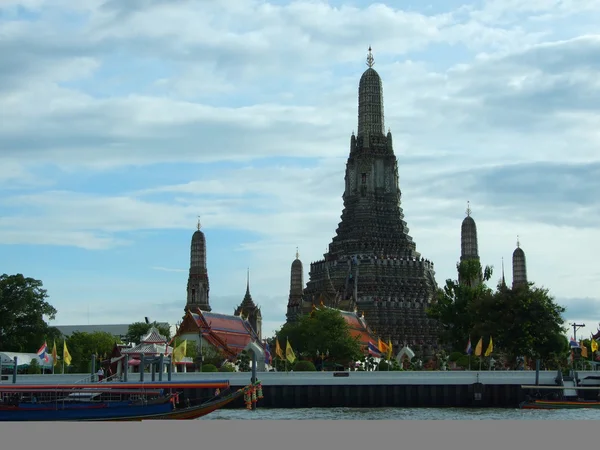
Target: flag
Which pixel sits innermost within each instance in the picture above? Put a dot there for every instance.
(43, 352)
(584, 352)
(289, 352)
(573, 343)
(54, 354)
(479, 347)
(180, 351)
(373, 350)
(490, 348)
(594, 345)
(390, 349)
(469, 348)
(382, 347)
(268, 357)
(278, 350)
(66, 354)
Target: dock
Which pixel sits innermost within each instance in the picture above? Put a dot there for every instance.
(499, 389)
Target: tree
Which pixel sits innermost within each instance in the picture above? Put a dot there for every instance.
(524, 321)
(137, 330)
(83, 345)
(453, 305)
(23, 306)
(34, 367)
(324, 329)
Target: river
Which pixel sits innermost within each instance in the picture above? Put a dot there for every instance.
(401, 414)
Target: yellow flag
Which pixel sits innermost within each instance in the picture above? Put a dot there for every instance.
(584, 352)
(66, 354)
(390, 349)
(278, 350)
(478, 347)
(180, 351)
(382, 346)
(490, 348)
(54, 354)
(289, 353)
(594, 345)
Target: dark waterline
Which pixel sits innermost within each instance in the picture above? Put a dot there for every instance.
(401, 414)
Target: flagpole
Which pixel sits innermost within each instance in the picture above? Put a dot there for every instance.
(63, 361)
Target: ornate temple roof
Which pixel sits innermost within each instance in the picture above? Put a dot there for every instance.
(154, 337)
(230, 334)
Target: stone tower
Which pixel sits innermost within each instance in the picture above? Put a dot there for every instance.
(296, 289)
(372, 263)
(468, 244)
(198, 287)
(519, 266)
(250, 311)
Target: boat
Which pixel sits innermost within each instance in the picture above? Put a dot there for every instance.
(117, 402)
(560, 397)
(559, 404)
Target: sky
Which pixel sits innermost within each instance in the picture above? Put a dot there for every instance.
(122, 122)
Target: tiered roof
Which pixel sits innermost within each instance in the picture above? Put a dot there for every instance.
(229, 334)
(153, 343)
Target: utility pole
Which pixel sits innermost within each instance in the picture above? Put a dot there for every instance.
(576, 327)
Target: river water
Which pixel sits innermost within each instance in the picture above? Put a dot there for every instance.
(401, 414)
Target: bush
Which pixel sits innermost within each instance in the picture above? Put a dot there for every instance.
(384, 365)
(455, 356)
(304, 366)
(226, 368)
(209, 368)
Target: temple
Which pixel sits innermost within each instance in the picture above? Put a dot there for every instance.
(250, 311)
(372, 263)
(198, 287)
(519, 267)
(294, 306)
(228, 335)
(468, 246)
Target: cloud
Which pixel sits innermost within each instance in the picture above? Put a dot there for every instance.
(119, 118)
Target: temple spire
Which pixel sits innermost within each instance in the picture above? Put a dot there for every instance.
(297, 254)
(248, 281)
(468, 208)
(370, 59)
(370, 104)
(199, 225)
(518, 243)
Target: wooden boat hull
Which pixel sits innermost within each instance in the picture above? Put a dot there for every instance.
(189, 413)
(80, 412)
(159, 409)
(559, 404)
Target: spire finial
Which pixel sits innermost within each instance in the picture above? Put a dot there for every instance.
(518, 243)
(370, 59)
(248, 281)
(297, 254)
(199, 226)
(468, 208)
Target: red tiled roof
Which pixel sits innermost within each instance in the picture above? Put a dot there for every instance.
(231, 334)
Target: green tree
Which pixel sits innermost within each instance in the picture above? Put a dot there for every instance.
(34, 367)
(23, 305)
(138, 329)
(524, 321)
(243, 361)
(83, 345)
(322, 330)
(453, 305)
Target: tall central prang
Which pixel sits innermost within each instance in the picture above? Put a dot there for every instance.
(372, 263)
